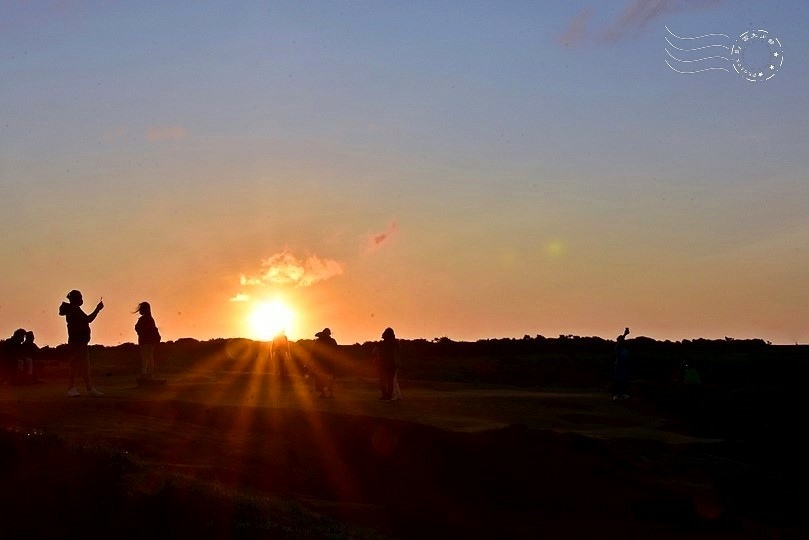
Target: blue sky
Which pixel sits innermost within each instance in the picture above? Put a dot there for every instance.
(532, 168)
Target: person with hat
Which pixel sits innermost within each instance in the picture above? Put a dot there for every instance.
(324, 337)
(78, 340)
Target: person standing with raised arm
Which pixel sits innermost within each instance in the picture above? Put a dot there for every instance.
(78, 340)
(621, 382)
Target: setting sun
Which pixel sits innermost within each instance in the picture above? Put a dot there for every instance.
(269, 318)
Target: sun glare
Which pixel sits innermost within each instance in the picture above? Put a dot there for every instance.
(269, 318)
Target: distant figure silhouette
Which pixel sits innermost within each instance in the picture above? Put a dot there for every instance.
(30, 355)
(78, 340)
(621, 381)
(148, 338)
(323, 356)
(386, 358)
(280, 355)
(12, 360)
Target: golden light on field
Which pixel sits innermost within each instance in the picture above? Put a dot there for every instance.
(269, 318)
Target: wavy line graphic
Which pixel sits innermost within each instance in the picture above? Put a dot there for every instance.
(696, 71)
(695, 37)
(697, 60)
(695, 48)
(685, 63)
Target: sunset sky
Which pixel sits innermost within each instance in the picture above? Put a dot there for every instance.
(463, 169)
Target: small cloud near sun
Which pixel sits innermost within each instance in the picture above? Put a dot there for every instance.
(284, 268)
(241, 297)
(375, 241)
(166, 133)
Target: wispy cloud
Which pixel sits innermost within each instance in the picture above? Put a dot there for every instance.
(284, 268)
(634, 18)
(637, 15)
(377, 240)
(166, 133)
(241, 297)
(577, 30)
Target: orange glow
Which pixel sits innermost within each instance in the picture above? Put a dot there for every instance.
(269, 318)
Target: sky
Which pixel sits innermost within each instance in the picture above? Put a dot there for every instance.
(455, 168)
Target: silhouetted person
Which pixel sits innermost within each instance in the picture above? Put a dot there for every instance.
(12, 359)
(30, 355)
(620, 383)
(323, 357)
(148, 338)
(280, 354)
(385, 356)
(78, 340)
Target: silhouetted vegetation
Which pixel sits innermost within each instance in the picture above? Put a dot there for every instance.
(566, 361)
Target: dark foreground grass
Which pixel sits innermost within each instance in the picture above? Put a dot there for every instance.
(412, 481)
(52, 489)
(178, 468)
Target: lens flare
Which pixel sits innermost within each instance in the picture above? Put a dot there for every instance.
(270, 318)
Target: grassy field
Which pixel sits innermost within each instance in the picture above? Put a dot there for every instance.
(233, 454)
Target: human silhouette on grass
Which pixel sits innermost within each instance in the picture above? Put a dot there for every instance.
(386, 358)
(30, 356)
(78, 340)
(11, 357)
(620, 384)
(324, 354)
(148, 338)
(280, 355)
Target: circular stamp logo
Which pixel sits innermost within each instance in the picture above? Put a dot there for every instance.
(756, 55)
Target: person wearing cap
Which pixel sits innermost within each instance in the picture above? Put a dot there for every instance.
(78, 340)
(324, 338)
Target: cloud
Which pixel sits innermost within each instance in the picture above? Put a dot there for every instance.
(166, 133)
(577, 30)
(376, 241)
(634, 18)
(637, 15)
(284, 268)
(241, 297)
